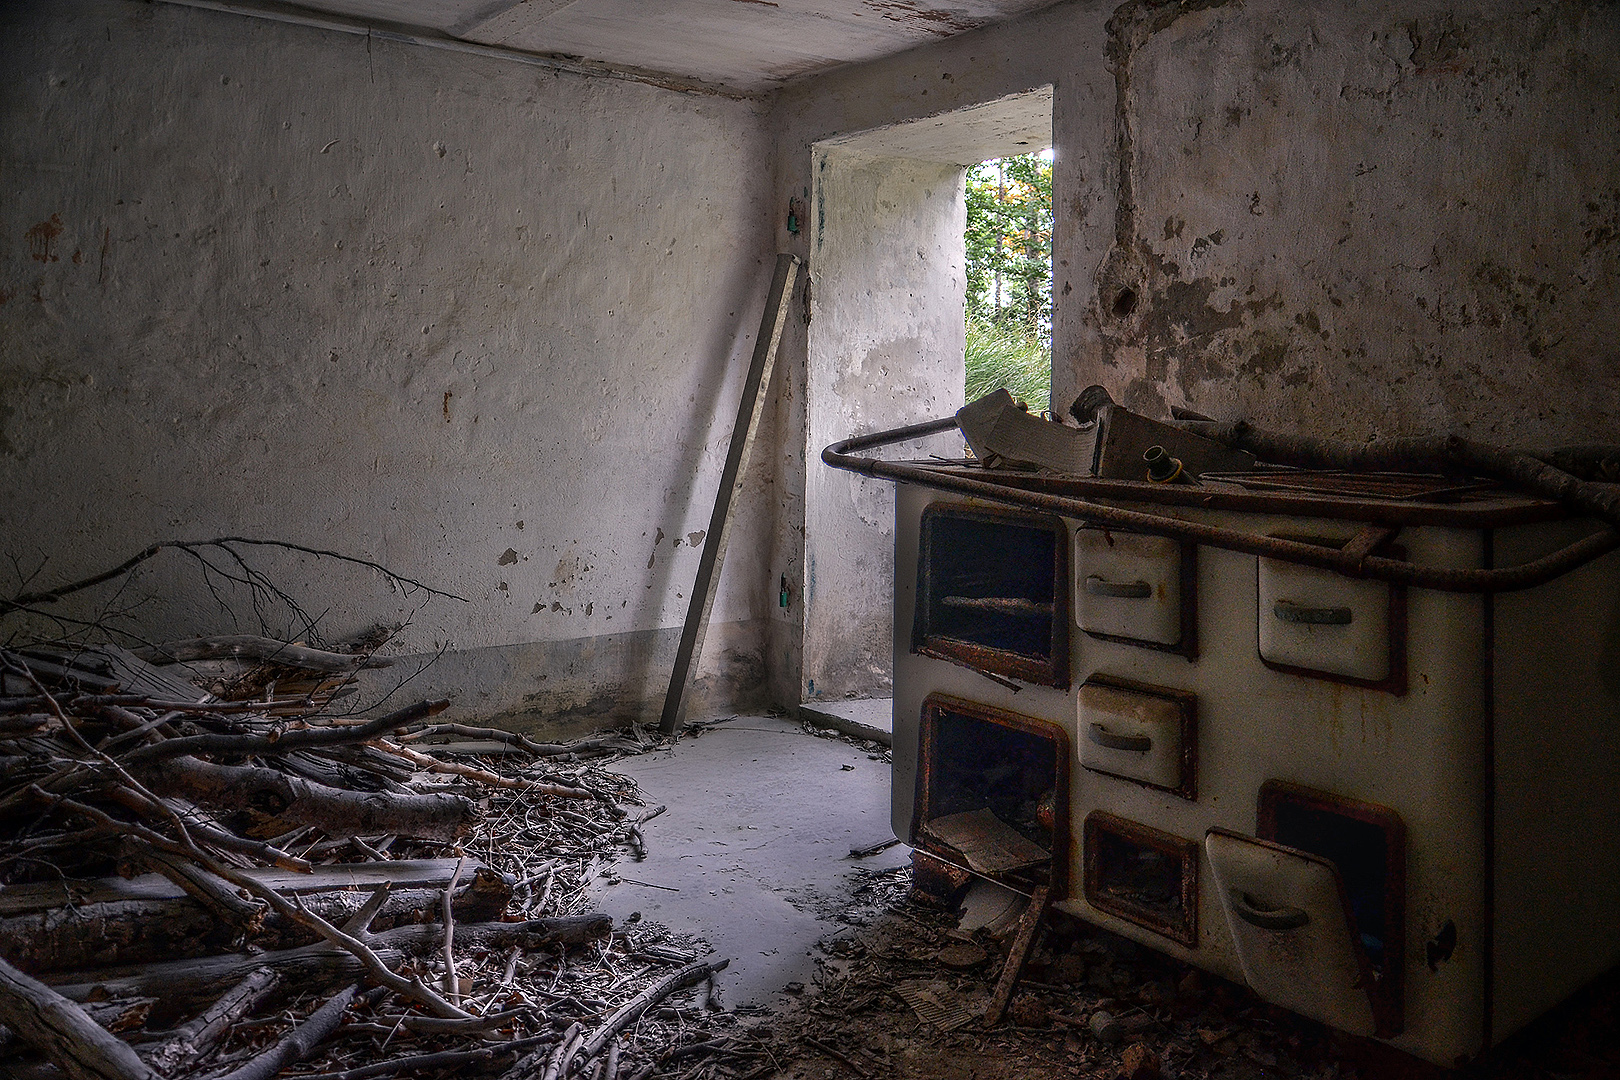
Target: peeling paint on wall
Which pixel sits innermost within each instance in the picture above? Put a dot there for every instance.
(1369, 224)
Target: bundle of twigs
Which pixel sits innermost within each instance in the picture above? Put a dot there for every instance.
(306, 859)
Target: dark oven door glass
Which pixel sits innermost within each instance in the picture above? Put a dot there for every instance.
(992, 593)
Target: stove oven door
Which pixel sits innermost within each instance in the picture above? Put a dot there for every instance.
(1291, 929)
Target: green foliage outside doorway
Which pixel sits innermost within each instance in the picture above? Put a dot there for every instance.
(1009, 277)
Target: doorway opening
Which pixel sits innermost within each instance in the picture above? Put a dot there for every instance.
(1008, 252)
(889, 288)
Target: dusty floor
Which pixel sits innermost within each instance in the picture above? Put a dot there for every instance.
(760, 824)
(752, 854)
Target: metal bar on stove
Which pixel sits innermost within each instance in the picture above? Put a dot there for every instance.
(842, 455)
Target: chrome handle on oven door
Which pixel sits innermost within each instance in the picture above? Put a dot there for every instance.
(1129, 590)
(1312, 616)
(1283, 918)
(1103, 737)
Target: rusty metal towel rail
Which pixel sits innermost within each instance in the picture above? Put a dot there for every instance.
(843, 455)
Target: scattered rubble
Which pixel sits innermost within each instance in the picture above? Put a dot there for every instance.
(897, 997)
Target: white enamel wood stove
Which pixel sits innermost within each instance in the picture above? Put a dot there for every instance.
(1395, 810)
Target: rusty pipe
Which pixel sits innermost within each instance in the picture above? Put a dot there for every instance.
(842, 455)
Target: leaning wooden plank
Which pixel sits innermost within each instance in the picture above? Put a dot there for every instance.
(316, 968)
(253, 647)
(59, 1029)
(336, 811)
(136, 676)
(731, 479)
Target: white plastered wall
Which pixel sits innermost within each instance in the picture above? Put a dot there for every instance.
(480, 321)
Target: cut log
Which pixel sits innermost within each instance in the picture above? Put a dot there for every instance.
(337, 812)
(253, 647)
(148, 929)
(404, 873)
(59, 1029)
(186, 984)
(43, 896)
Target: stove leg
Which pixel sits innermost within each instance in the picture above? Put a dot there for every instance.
(1023, 944)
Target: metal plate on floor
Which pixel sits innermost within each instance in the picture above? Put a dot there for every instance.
(934, 1004)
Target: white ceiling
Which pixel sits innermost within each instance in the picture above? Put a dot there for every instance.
(748, 45)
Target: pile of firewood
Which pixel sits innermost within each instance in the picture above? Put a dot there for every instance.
(182, 876)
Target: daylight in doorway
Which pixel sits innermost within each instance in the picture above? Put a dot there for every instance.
(1008, 244)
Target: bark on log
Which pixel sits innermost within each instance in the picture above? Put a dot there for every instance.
(123, 1014)
(300, 1042)
(59, 1029)
(253, 647)
(147, 930)
(189, 983)
(336, 811)
(287, 742)
(119, 932)
(196, 1037)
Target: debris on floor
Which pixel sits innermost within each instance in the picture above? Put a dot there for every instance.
(904, 996)
(203, 889)
(196, 887)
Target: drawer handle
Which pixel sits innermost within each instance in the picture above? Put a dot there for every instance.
(1100, 735)
(1129, 590)
(1283, 918)
(1312, 616)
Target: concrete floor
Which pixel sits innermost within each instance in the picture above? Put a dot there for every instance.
(752, 855)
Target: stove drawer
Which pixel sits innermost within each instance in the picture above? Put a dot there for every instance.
(1129, 586)
(1316, 622)
(1144, 734)
(1286, 913)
